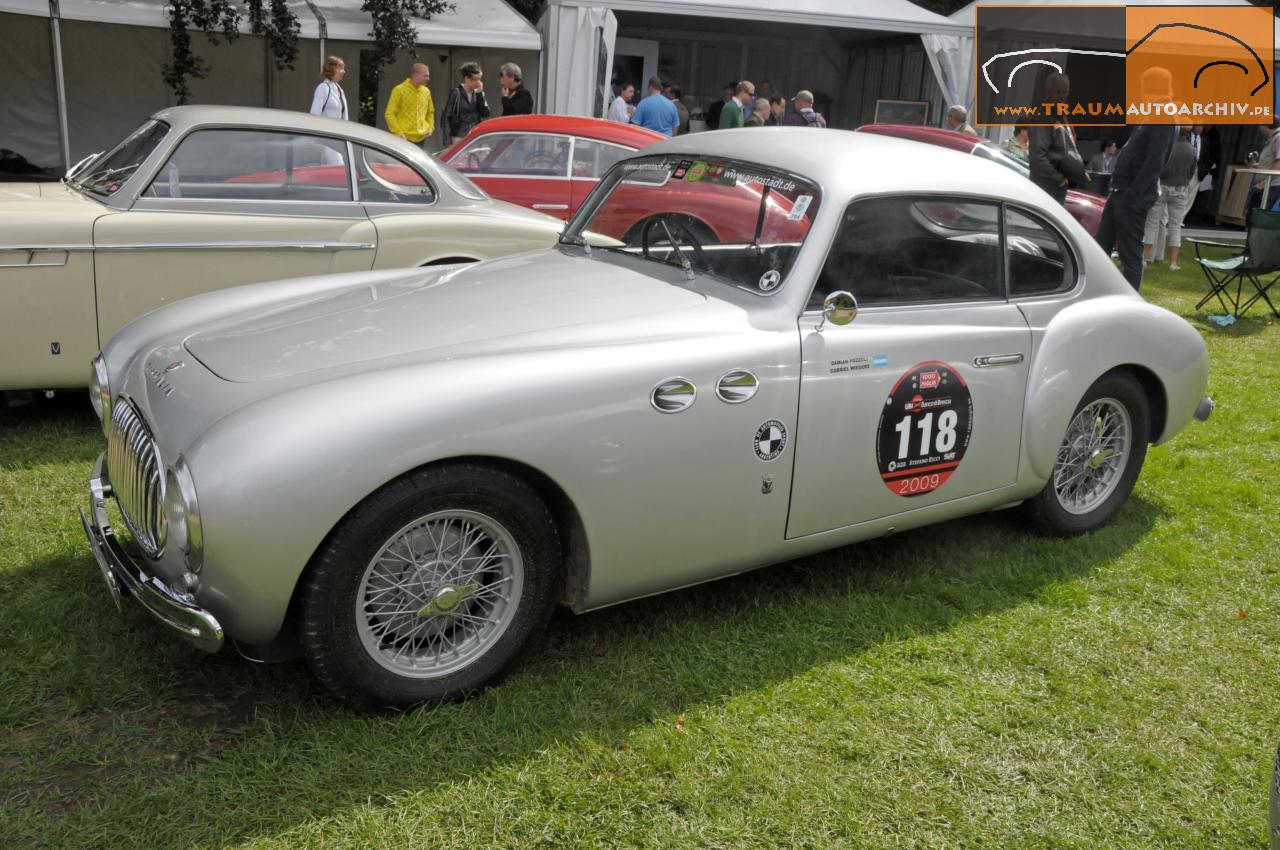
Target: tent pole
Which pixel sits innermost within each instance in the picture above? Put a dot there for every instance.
(322, 25)
(55, 29)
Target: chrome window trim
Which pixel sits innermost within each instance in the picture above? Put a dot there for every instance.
(355, 182)
(351, 172)
(1067, 244)
(252, 206)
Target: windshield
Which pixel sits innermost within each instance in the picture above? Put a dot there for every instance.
(106, 174)
(738, 222)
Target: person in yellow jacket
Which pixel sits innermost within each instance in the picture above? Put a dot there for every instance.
(410, 113)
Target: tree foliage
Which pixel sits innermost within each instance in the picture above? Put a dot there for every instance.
(393, 30)
(273, 20)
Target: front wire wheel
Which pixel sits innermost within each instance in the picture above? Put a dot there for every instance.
(431, 588)
(1098, 461)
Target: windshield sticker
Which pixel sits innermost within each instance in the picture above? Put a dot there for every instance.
(682, 169)
(924, 429)
(696, 171)
(799, 207)
(771, 439)
(645, 166)
(782, 184)
(770, 280)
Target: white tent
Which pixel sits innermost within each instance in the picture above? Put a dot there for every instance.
(84, 72)
(568, 32)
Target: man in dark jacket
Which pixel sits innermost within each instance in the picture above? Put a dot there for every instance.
(516, 99)
(1055, 161)
(1135, 182)
(713, 113)
(466, 106)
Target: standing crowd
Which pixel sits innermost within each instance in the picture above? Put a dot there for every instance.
(411, 113)
(663, 110)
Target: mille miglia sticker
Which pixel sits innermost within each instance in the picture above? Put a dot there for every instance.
(771, 439)
(924, 429)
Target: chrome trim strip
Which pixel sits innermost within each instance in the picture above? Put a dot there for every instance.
(125, 578)
(551, 206)
(29, 262)
(196, 246)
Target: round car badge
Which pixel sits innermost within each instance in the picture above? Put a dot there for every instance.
(770, 279)
(771, 439)
(924, 429)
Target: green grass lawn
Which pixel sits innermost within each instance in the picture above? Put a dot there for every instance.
(974, 688)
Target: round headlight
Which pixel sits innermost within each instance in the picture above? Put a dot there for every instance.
(183, 514)
(99, 390)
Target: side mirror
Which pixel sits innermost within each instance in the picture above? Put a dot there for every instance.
(840, 308)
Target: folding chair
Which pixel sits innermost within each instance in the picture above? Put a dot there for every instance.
(1260, 259)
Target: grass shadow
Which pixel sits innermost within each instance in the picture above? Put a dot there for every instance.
(35, 430)
(199, 736)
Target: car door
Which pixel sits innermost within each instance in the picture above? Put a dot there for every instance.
(230, 206)
(529, 169)
(591, 159)
(919, 399)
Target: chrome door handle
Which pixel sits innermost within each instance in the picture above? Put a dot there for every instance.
(996, 360)
(551, 206)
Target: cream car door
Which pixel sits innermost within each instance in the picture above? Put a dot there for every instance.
(231, 206)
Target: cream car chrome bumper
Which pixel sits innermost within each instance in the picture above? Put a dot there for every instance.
(124, 577)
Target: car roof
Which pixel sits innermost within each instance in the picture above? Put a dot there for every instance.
(846, 164)
(631, 135)
(932, 135)
(182, 118)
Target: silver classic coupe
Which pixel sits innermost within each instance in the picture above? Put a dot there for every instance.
(400, 473)
(206, 197)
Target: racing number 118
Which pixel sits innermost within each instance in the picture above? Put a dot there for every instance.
(946, 436)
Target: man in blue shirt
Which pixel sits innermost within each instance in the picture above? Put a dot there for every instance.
(656, 111)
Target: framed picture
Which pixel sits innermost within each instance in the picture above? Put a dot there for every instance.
(902, 112)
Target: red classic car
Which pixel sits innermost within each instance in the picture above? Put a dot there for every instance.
(1085, 207)
(550, 163)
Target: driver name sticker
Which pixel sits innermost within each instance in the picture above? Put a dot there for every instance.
(799, 207)
(771, 439)
(924, 429)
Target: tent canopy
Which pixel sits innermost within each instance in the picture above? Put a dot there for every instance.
(882, 15)
(474, 23)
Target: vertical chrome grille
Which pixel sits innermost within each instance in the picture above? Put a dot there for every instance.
(137, 476)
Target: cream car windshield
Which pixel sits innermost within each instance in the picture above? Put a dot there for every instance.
(738, 222)
(105, 175)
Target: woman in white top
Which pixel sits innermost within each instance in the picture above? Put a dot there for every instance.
(620, 110)
(329, 99)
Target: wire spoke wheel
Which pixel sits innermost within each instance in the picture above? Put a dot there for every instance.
(439, 593)
(1093, 456)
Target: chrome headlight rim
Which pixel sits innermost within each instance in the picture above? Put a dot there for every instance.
(100, 390)
(184, 529)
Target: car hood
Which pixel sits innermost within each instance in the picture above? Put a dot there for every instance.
(524, 301)
(46, 214)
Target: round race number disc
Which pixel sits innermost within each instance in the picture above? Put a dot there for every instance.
(924, 429)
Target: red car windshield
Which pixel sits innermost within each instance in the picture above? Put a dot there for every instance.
(736, 221)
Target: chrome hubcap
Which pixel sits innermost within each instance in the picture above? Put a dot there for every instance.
(439, 593)
(1093, 456)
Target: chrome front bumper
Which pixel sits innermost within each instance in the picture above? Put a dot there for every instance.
(124, 577)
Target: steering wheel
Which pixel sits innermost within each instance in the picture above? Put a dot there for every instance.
(686, 232)
(548, 160)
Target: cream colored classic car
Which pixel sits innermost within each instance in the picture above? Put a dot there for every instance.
(201, 198)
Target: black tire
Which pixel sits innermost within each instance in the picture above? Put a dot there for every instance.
(1045, 513)
(329, 627)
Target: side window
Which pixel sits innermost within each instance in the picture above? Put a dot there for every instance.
(592, 159)
(1039, 262)
(256, 165)
(529, 155)
(914, 251)
(385, 179)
